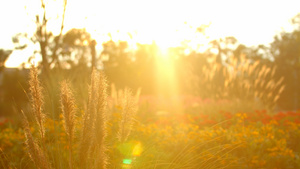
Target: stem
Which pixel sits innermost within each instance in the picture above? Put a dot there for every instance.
(70, 154)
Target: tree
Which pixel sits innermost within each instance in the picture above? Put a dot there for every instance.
(286, 48)
(49, 44)
(116, 53)
(225, 46)
(286, 52)
(75, 45)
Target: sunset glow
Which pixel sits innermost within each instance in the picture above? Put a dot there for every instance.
(162, 84)
(166, 23)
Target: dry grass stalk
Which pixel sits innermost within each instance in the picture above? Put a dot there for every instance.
(129, 109)
(36, 154)
(279, 82)
(244, 80)
(88, 119)
(36, 99)
(281, 89)
(113, 91)
(273, 71)
(266, 72)
(69, 110)
(269, 84)
(138, 93)
(100, 130)
(276, 98)
(93, 146)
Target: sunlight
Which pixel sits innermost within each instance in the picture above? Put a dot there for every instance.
(166, 80)
(167, 27)
(150, 84)
(137, 149)
(164, 52)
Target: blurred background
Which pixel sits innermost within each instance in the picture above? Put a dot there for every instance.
(233, 50)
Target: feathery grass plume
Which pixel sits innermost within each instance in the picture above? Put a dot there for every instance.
(93, 146)
(113, 91)
(89, 118)
(100, 128)
(36, 99)
(129, 109)
(138, 93)
(35, 153)
(68, 109)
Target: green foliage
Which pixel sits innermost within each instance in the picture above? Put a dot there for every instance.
(13, 91)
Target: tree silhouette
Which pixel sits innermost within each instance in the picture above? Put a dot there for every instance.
(285, 48)
(225, 46)
(49, 44)
(286, 52)
(75, 45)
(117, 53)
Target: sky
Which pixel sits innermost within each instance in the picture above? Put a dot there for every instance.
(167, 22)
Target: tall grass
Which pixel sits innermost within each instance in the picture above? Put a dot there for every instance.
(129, 108)
(35, 152)
(245, 80)
(99, 136)
(69, 110)
(91, 144)
(36, 98)
(36, 147)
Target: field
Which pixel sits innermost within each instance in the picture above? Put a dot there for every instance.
(124, 129)
(149, 85)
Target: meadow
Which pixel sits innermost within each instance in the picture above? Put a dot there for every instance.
(97, 125)
(149, 85)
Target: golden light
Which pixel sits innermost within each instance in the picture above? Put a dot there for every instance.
(166, 82)
(137, 149)
(162, 22)
(85, 42)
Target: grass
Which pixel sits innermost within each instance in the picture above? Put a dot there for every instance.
(119, 130)
(92, 144)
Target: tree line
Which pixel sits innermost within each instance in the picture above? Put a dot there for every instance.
(207, 74)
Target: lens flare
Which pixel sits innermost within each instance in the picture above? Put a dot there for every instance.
(127, 161)
(137, 150)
